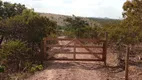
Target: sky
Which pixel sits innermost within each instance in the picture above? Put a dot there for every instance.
(85, 8)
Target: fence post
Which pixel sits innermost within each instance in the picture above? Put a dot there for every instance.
(104, 52)
(74, 55)
(127, 62)
(105, 48)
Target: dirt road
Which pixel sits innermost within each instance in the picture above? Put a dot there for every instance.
(63, 70)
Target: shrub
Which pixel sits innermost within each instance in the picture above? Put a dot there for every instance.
(36, 68)
(14, 54)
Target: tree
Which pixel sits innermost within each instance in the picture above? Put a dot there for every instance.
(76, 26)
(132, 22)
(29, 26)
(128, 31)
(8, 10)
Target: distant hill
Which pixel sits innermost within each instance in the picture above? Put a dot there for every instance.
(92, 21)
(105, 20)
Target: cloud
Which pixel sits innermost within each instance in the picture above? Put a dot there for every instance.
(88, 8)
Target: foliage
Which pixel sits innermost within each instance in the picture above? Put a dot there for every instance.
(113, 30)
(128, 30)
(28, 27)
(40, 27)
(14, 53)
(132, 22)
(8, 10)
(36, 68)
(105, 21)
(22, 30)
(77, 27)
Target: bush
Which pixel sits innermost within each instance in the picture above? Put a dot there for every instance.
(36, 68)
(14, 55)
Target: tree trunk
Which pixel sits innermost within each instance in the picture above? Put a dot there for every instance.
(2, 37)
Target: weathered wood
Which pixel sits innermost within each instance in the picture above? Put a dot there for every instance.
(73, 46)
(104, 53)
(65, 52)
(74, 55)
(105, 48)
(68, 39)
(76, 59)
(127, 63)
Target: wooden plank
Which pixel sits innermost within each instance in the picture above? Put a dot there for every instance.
(60, 59)
(76, 46)
(90, 40)
(74, 55)
(60, 39)
(127, 63)
(81, 45)
(63, 52)
(105, 48)
(104, 53)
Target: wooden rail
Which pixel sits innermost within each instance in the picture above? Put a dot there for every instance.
(92, 40)
(76, 46)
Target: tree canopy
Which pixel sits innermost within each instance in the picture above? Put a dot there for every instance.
(132, 21)
(128, 30)
(75, 26)
(8, 10)
(19, 22)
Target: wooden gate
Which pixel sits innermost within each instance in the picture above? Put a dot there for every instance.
(53, 48)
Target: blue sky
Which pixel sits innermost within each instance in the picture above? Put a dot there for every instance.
(85, 8)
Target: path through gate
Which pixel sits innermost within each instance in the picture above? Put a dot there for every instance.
(69, 49)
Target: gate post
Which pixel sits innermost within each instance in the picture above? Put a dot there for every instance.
(74, 55)
(104, 52)
(105, 48)
(127, 62)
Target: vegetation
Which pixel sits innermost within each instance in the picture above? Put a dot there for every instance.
(21, 32)
(79, 28)
(132, 21)
(128, 31)
(8, 10)
(14, 55)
